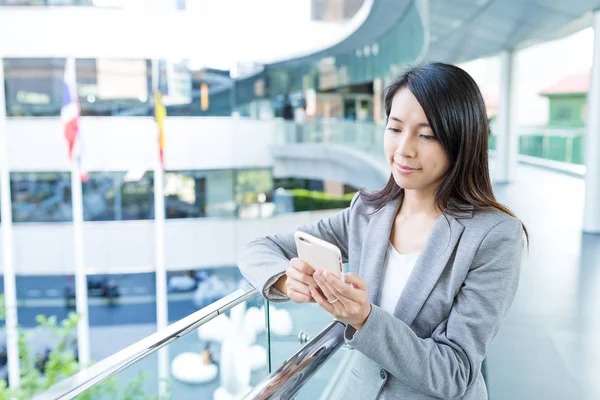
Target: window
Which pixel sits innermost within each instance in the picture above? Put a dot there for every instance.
(185, 194)
(137, 196)
(41, 196)
(563, 113)
(105, 86)
(117, 196)
(254, 193)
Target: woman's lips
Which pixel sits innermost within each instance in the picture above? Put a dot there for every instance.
(405, 170)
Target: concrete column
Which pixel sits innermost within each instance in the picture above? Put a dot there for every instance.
(591, 216)
(507, 138)
(6, 249)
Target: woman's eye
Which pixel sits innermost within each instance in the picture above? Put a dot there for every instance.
(428, 137)
(393, 129)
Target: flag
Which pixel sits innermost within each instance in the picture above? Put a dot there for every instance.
(69, 115)
(160, 112)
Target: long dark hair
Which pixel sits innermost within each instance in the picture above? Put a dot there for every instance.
(456, 112)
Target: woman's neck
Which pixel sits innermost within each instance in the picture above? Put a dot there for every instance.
(419, 202)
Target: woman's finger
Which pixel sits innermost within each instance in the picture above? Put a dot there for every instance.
(298, 297)
(342, 288)
(347, 302)
(301, 266)
(322, 301)
(298, 287)
(293, 273)
(323, 286)
(356, 281)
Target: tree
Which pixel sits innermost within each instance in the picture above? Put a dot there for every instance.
(38, 373)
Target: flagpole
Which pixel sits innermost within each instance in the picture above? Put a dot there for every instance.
(10, 286)
(162, 318)
(81, 294)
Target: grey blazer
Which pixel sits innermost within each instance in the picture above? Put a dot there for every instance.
(451, 308)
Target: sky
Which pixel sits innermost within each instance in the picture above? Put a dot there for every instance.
(536, 68)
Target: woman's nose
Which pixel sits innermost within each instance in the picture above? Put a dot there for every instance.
(406, 148)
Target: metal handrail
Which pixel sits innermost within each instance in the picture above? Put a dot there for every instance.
(88, 377)
(297, 370)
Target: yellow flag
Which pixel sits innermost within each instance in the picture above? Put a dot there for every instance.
(160, 112)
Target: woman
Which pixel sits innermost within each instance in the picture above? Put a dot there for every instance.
(434, 260)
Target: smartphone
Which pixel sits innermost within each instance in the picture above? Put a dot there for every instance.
(319, 254)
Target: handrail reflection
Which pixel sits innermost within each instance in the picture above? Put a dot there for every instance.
(295, 372)
(88, 377)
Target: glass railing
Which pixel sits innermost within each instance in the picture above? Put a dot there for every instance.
(224, 351)
(297, 377)
(557, 144)
(363, 136)
(291, 325)
(221, 350)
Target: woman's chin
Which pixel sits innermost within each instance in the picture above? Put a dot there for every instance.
(403, 181)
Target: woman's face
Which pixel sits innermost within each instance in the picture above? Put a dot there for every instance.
(417, 159)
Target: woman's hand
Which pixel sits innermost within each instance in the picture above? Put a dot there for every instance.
(299, 280)
(352, 306)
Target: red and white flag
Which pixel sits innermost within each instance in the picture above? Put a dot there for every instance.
(69, 115)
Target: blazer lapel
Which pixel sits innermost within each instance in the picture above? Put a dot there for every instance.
(429, 266)
(375, 244)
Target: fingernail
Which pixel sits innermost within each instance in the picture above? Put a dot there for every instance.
(326, 275)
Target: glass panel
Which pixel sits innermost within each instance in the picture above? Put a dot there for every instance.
(289, 323)
(41, 196)
(185, 194)
(122, 87)
(223, 358)
(220, 201)
(47, 3)
(192, 290)
(102, 196)
(254, 193)
(138, 196)
(116, 196)
(327, 382)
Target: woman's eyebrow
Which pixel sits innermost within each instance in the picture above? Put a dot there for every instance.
(422, 124)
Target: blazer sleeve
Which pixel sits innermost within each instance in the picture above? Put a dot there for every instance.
(447, 363)
(264, 260)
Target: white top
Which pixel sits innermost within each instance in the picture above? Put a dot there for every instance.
(396, 271)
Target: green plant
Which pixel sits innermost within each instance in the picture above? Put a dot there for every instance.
(305, 200)
(61, 363)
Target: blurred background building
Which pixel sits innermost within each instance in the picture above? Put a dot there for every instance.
(274, 119)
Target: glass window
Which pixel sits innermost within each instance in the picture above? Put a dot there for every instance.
(105, 86)
(46, 3)
(185, 194)
(563, 113)
(137, 196)
(200, 193)
(117, 196)
(41, 196)
(220, 201)
(254, 193)
(101, 196)
(122, 87)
